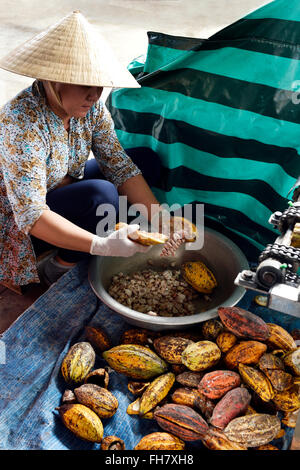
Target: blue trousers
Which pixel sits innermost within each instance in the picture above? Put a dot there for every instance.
(78, 201)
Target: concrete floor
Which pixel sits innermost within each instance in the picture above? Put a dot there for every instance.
(124, 23)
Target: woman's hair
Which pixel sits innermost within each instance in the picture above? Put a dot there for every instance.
(51, 88)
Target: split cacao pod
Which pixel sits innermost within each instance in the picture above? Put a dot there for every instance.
(135, 361)
(99, 377)
(292, 361)
(244, 324)
(182, 421)
(215, 384)
(253, 430)
(257, 381)
(160, 441)
(225, 341)
(201, 355)
(82, 421)
(245, 352)
(156, 392)
(78, 362)
(112, 443)
(170, 348)
(288, 400)
(99, 399)
(233, 404)
(215, 439)
(280, 338)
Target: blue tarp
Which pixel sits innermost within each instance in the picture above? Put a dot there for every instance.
(31, 382)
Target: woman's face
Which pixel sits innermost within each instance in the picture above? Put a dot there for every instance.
(77, 99)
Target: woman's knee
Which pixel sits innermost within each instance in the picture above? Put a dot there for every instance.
(103, 192)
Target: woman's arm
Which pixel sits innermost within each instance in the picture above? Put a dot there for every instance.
(138, 191)
(58, 231)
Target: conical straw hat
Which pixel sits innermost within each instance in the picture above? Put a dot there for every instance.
(70, 51)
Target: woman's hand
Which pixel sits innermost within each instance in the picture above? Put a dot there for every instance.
(117, 243)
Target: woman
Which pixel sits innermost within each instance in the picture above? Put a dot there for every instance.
(49, 188)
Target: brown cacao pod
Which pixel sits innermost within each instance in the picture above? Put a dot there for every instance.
(215, 384)
(279, 379)
(170, 348)
(182, 421)
(205, 405)
(292, 361)
(245, 352)
(233, 404)
(135, 336)
(215, 439)
(160, 441)
(257, 381)
(288, 400)
(243, 324)
(98, 338)
(189, 378)
(269, 361)
(98, 399)
(211, 329)
(280, 339)
(253, 430)
(225, 341)
(201, 355)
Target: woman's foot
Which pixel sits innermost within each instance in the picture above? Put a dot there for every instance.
(52, 267)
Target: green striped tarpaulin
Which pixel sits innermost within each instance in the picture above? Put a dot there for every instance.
(223, 114)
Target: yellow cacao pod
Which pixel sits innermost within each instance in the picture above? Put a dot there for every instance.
(257, 381)
(225, 341)
(199, 276)
(82, 421)
(78, 362)
(288, 400)
(160, 441)
(280, 338)
(136, 361)
(201, 355)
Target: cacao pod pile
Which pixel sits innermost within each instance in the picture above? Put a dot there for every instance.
(227, 384)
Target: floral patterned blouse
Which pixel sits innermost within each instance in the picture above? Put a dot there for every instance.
(36, 153)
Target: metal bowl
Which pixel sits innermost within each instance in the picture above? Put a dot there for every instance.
(219, 254)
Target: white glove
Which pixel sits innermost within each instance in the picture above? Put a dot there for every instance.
(117, 243)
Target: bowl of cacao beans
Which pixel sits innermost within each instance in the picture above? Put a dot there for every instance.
(171, 292)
